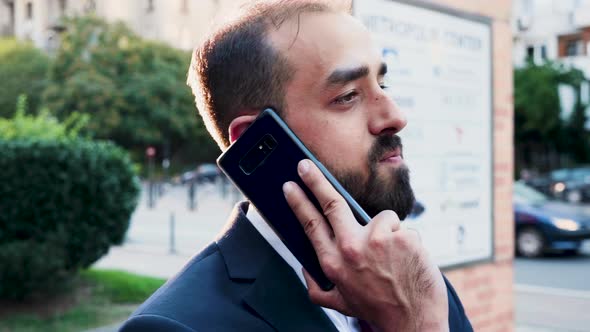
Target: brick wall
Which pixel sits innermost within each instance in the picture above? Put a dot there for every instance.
(486, 289)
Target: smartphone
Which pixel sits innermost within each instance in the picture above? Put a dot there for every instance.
(259, 163)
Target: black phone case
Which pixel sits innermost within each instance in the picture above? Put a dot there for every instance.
(259, 163)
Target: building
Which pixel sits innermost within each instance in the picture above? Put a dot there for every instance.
(552, 30)
(556, 30)
(179, 23)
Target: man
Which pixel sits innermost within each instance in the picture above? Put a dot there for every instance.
(317, 66)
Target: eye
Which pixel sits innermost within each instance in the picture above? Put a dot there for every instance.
(346, 99)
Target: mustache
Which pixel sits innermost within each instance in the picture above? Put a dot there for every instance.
(383, 145)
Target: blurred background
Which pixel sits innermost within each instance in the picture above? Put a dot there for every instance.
(108, 181)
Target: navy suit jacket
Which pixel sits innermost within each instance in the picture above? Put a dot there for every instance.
(240, 283)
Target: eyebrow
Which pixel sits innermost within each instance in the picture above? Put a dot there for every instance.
(344, 76)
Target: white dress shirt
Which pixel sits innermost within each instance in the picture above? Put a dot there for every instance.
(342, 322)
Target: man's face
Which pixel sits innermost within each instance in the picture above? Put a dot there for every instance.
(337, 105)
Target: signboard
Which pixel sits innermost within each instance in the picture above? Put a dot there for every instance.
(440, 74)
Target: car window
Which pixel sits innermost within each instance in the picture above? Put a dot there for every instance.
(560, 175)
(582, 174)
(207, 168)
(524, 194)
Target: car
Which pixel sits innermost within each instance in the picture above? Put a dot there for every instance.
(207, 173)
(188, 177)
(204, 173)
(543, 224)
(567, 184)
(572, 185)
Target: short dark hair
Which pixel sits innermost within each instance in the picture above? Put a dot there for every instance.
(237, 68)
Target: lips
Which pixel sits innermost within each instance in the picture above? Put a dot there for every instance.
(393, 155)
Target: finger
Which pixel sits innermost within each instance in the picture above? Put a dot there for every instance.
(381, 230)
(315, 226)
(407, 240)
(415, 233)
(334, 207)
(385, 222)
(330, 299)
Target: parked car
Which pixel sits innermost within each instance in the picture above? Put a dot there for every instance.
(567, 184)
(202, 174)
(542, 224)
(207, 173)
(188, 176)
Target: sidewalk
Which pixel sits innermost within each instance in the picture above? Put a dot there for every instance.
(160, 240)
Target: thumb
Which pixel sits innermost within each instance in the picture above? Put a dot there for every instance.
(329, 299)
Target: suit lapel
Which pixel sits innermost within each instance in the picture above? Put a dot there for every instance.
(279, 297)
(276, 293)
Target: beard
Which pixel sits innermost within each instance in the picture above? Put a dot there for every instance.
(377, 193)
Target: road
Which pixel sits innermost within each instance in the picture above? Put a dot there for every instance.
(569, 272)
(554, 291)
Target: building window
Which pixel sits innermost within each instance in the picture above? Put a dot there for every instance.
(62, 6)
(184, 7)
(530, 52)
(90, 6)
(150, 6)
(572, 47)
(29, 10)
(543, 52)
(11, 13)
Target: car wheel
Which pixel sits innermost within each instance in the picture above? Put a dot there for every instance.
(530, 242)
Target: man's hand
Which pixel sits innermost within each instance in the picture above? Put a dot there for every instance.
(382, 273)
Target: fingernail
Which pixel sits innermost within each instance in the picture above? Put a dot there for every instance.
(303, 167)
(287, 188)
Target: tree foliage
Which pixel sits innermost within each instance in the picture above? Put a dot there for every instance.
(23, 69)
(43, 126)
(133, 89)
(542, 137)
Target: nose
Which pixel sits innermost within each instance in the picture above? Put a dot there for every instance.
(385, 115)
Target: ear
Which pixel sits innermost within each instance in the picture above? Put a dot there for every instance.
(239, 125)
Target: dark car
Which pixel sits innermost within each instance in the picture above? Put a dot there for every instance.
(567, 184)
(545, 225)
(204, 173)
(188, 176)
(207, 173)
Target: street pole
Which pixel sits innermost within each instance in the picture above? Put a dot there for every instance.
(150, 153)
(224, 183)
(165, 165)
(172, 233)
(192, 193)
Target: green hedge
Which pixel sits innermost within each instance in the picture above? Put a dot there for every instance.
(62, 205)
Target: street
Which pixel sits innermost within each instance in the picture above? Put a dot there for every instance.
(554, 291)
(557, 271)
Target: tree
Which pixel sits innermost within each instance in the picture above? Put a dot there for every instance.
(23, 69)
(542, 139)
(134, 90)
